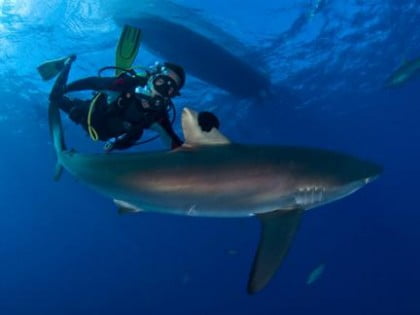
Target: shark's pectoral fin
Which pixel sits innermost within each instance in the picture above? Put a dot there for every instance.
(277, 232)
(126, 207)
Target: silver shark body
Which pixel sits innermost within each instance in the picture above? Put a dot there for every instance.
(222, 181)
(211, 177)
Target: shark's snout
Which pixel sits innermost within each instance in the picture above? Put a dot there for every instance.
(353, 169)
(372, 171)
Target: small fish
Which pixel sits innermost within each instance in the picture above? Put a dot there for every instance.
(406, 72)
(232, 252)
(315, 274)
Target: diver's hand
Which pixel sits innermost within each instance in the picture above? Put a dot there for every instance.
(115, 143)
(110, 145)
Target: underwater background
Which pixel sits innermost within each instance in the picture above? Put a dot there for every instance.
(65, 250)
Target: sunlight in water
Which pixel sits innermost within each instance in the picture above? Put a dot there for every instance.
(19, 8)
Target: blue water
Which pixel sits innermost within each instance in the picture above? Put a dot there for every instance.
(65, 250)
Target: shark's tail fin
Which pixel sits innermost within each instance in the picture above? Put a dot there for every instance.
(56, 130)
(54, 117)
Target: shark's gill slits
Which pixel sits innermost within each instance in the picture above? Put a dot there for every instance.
(307, 196)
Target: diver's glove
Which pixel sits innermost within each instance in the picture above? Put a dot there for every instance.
(112, 143)
(109, 145)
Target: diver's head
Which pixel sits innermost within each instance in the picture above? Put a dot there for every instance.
(167, 80)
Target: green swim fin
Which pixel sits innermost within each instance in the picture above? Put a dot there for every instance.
(128, 47)
(51, 68)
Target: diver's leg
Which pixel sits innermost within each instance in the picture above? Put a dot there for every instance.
(94, 83)
(78, 112)
(59, 88)
(75, 108)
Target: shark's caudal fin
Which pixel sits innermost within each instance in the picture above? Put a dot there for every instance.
(56, 130)
(194, 135)
(277, 232)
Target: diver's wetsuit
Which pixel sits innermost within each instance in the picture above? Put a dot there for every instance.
(123, 119)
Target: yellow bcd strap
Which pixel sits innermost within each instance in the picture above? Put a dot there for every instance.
(92, 132)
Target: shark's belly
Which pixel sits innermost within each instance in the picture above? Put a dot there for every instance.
(217, 206)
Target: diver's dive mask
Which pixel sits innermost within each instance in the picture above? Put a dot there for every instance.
(165, 83)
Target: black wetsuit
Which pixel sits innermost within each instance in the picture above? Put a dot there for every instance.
(125, 118)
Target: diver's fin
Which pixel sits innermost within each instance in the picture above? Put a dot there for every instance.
(126, 207)
(127, 48)
(277, 231)
(51, 68)
(194, 135)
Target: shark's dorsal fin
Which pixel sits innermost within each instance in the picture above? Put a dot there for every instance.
(277, 232)
(126, 207)
(195, 136)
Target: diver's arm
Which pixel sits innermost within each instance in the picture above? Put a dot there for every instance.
(167, 133)
(125, 140)
(122, 83)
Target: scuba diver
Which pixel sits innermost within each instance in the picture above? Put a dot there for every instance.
(125, 104)
(142, 102)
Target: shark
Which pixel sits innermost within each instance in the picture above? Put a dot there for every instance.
(209, 53)
(210, 176)
(406, 72)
